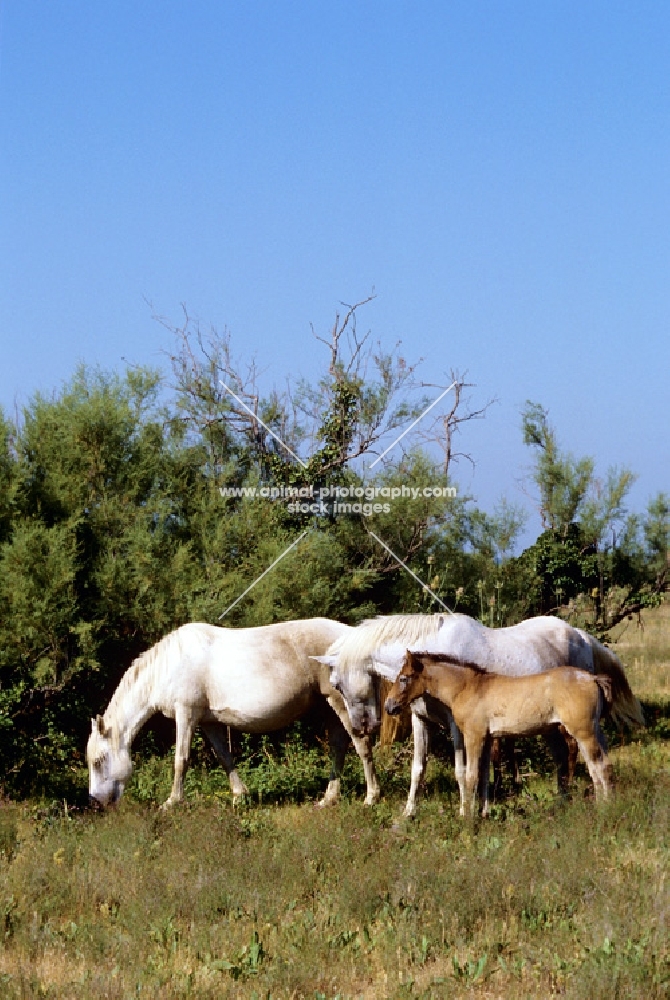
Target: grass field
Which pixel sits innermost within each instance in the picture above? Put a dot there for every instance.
(547, 898)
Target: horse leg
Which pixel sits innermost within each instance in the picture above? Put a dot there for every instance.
(338, 748)
(218, 737)
(503, 751)
(338, 742)
(419, 762)
(474, 744)
(606, 772)
(459, 764)
(512, 757)
(598, 763)
(185, 723)
(496, 760)
(561, 754)
(363, 748)
(573, 753)
(484, 776)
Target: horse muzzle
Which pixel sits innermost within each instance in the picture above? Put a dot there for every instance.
(98, 804)
(392, 707)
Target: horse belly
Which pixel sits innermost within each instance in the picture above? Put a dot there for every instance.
(259, 710)
(524, 728)
(534, 720)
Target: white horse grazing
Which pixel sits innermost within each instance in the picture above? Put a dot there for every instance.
(376, 649)
(253, 679)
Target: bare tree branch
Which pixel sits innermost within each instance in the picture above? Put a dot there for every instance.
(442, 430)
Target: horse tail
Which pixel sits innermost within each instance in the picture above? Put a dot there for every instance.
(394, 728)
(624, 706)
(605, 684)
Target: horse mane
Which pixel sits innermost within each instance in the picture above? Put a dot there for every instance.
(142, 668)
(455, 660)
(359, 644)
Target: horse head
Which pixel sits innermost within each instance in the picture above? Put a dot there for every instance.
(109, 764)
(407, 686)
(358, 686)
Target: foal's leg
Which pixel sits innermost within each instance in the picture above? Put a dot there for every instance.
(512, 758)
(217, 735)
(496, 760)
(459, 764)
(474, 744)
(484, 776)
(339, 736)
(561, 754)
(573, 753)
(185, 723)
(419, 762)
(594, 751)
(606, 772)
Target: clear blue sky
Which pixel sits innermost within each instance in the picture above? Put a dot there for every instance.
(499, 172)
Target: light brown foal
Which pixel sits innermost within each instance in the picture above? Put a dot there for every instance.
(485, 705)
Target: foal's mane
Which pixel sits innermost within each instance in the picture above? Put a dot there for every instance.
(356, 646)
(455, 660)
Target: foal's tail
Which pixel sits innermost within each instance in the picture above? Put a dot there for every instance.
(605, 685)
(623, 705)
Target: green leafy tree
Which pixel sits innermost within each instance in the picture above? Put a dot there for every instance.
(657, 537)
(590, 547)
(7, 469)
(92, 565)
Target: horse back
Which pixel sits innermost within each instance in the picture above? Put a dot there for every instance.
(502, 705)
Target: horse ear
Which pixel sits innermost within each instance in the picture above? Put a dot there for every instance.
(330, 661)
(98, 723)
(416, 662)
(385, 670)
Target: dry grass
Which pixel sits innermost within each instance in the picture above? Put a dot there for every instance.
(644, 647)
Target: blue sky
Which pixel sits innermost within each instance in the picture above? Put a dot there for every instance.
(498, 172)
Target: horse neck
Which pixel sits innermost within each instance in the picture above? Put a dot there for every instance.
(444, 681)
(131, 705)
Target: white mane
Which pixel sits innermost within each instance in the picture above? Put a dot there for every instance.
(141, 673)
(355, 648)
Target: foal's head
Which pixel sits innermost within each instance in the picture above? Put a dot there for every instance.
(408, 686)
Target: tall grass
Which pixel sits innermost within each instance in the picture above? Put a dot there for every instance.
(644, 646)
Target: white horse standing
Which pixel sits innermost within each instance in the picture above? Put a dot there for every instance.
(254, 679)
(376, 649)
